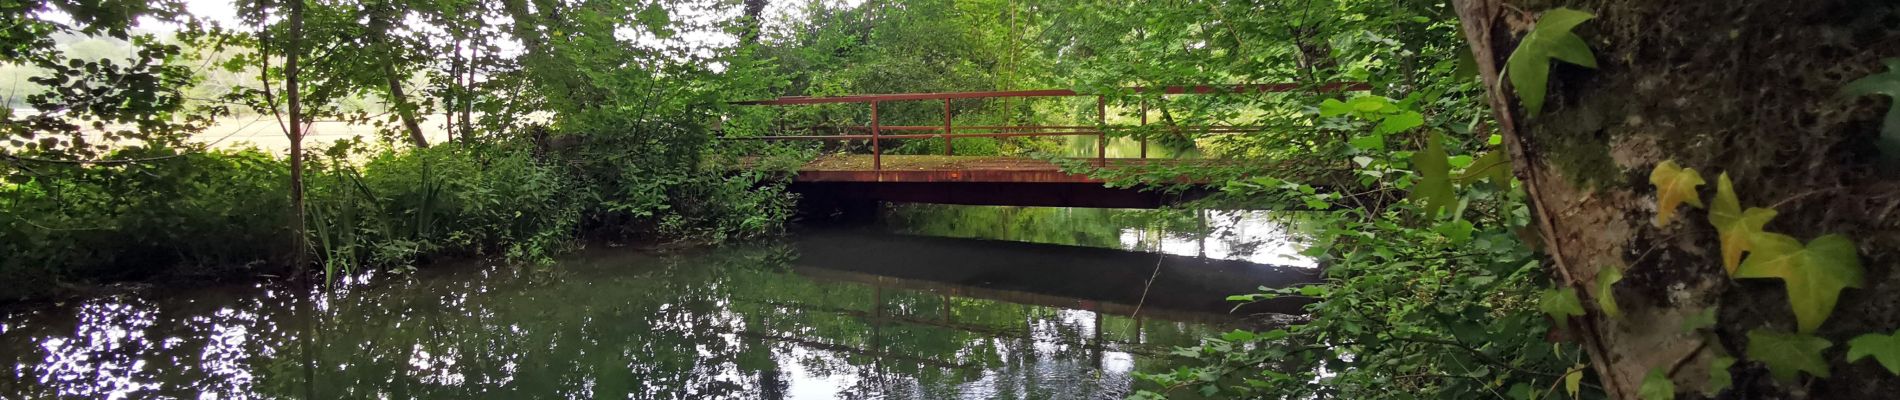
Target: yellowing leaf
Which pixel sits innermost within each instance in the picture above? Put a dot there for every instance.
(1529, 65)
(1674, 185)
(1884, 348)
(1657, 386)
(1733, 225)
(1434, 172)
(1814, 275)
(1607, 276)
(1788, 354)
(1573, 381)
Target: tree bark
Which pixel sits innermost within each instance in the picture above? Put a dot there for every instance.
(300, 246)
(1743, 87)
(392, 78)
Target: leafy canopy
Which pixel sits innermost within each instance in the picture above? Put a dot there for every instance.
(1814, 275)
(1529, 65)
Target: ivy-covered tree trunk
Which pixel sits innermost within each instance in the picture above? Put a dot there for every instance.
(1748, 88)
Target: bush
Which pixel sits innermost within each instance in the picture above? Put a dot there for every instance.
(226, 212)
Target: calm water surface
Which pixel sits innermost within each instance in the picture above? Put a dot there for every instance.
(825, 314)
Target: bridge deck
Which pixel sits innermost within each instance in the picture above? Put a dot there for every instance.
(919, 168)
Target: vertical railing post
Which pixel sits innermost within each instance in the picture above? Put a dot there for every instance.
(946, 128)
(1101, 130)
(1144, 133)
(877, 153)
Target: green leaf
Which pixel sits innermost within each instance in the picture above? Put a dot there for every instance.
(1885, 83)
(1607, 276)
(1884, 348)
(1494, 165)
(1788, 354)
(1657, 386)
(1561, 304)
(1735, 226)
(1458, 231)
(1373, 142)
(1434, 188)
(1529, 65)
(1400, 122)
(1814, 275)
(1700, 320)
(1674, 186)
(1332, 108)
(1719, 377)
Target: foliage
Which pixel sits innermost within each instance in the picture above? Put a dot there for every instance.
(1883, 348)
(1657, 386)
(1674, 185)
(1736, 227)
(1885, 83)
(1550, 38)
(1788, 354)
(1814, 274)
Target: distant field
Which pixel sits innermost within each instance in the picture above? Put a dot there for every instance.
(264, 133)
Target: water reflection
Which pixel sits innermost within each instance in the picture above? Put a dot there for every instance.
(829, 316)
(1267, 237)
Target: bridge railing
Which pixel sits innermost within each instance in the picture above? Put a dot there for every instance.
(875, 132)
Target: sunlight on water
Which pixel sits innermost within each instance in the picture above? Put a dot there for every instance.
(825, 316)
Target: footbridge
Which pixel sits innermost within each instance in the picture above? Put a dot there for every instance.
(984, 180)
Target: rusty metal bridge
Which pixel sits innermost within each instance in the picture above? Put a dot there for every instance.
(971, 180)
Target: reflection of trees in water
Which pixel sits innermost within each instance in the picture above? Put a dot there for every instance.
(1260, 236)
(733, 323)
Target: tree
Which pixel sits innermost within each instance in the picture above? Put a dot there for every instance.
(1751, 90)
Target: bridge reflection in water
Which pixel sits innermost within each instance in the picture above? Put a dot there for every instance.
(829, 315)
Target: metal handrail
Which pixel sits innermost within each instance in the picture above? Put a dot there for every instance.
(949, 131)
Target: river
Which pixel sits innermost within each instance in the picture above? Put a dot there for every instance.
(932, 303)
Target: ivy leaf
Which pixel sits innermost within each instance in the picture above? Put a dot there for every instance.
(1884, 348)
(1561, 304)
(1529, 65)
(1607, 276)
(1733, 225)
(1719, 377)
(1573, 381)
(1814, 275)
(1885, 83)
(1788, 354)
(1700, 320)
(1434, 171)
(1657, 386)
(1674, 186)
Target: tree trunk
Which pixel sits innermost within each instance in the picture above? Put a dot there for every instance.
(749, 27)
(405, 110)
(1743, 87)
(392, 78)
(300, 246)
